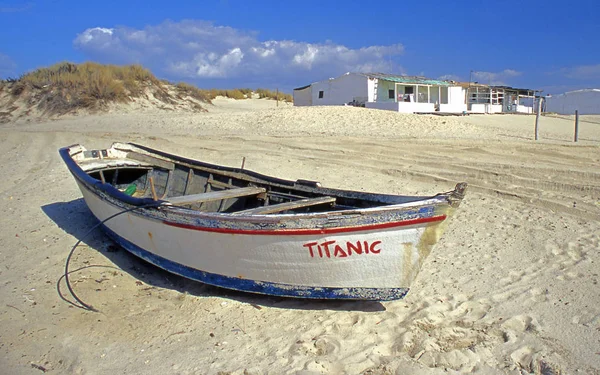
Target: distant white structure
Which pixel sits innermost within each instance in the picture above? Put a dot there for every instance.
(587, 102)
(385, 91)
(499, 99)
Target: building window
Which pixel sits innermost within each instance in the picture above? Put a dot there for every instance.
(320, 94)
(391, 94)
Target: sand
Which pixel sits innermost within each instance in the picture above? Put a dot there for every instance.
(512, 288)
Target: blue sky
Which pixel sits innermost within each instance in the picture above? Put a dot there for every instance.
(550, 45)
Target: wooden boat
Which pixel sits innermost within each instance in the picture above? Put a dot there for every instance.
(241, 230)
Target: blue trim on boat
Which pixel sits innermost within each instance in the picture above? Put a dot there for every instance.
(96, 185)
(261, 287)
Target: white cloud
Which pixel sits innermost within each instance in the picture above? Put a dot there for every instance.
(450, 77)
(582, 72)
(495, 78)
(198, 50)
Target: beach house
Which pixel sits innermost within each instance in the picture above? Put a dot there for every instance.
(409, 94)
(498, 99)
(586, 102)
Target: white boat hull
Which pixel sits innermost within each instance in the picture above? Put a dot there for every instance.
(383, 262)
(367, 247)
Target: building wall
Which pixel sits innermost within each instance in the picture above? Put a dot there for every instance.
(456, 95)
(523, 109)
(477, 107)
(404, 107)
(383, 88)
(485, 108)
(341, 90)
(455, 100)
(453, 108)
(587, 102)
(303, 97)
(371, 89)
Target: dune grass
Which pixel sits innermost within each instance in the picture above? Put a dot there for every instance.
(268, 94)
(92, 81)
(65, 87)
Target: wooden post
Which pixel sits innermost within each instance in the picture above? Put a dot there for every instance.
(152, 189)
(276, 98)
(576, 125)
(537, 118)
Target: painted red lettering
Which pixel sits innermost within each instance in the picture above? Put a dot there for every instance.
(373, 249)
(339, 252)
(310, 248)
(357, 249)
(331, 249)
(326, 247)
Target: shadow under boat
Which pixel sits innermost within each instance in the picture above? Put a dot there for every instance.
(76, 219)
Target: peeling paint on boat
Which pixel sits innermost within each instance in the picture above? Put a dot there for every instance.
(269, 254)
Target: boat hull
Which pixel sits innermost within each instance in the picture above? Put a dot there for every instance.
(245, 231)
(376, 262)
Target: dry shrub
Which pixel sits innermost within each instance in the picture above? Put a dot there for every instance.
(268, 94)
(65, 86)
(194, 92)
(235, 94)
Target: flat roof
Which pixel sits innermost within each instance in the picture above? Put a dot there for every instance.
(408, 79)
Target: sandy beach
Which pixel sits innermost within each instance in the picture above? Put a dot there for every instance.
(512, 287)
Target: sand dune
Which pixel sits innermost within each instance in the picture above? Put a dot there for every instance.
(512, 288)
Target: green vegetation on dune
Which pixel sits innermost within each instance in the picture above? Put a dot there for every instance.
(264, 93)
(246, 94)
(64, 87)
(90, 81)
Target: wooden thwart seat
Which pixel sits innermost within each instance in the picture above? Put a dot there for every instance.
(287, 206)
(216, 195)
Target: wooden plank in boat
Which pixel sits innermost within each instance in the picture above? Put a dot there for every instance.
(287, 206)
(215, 195)
(151, 160)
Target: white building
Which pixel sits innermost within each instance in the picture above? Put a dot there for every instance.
(385, 91)
(587, 102)
(498, 99)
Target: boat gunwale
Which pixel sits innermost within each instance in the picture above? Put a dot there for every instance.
(294, 228)
(121, 199)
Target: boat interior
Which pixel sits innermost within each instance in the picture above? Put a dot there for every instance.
(211, 188)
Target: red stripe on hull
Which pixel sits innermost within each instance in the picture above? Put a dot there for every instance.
(292, 232)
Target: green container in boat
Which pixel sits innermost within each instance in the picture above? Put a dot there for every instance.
(131, 189)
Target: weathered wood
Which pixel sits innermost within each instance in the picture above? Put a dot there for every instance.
(169, 165)
(188, 182)
(220, 184)
(537, 118)
(152, 189)
(287, 206)
(576, 138)
(215, 195)
(168, 184)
